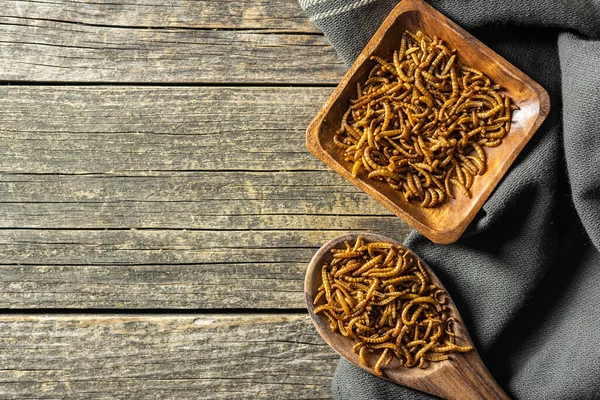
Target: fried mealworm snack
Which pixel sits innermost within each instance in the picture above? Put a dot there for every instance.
(421, 120)
(381, 296)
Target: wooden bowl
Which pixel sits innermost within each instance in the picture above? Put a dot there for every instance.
(443, 224)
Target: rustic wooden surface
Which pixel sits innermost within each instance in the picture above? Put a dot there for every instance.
(37, 48)
(127, 198)
(275, 15)
(163, 356)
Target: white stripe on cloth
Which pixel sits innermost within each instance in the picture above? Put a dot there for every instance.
(308, 3)
(339, 10)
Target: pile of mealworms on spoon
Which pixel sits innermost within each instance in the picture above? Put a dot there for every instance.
(421, 120)
(380, 295)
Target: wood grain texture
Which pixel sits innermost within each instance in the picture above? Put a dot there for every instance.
(285, 186)
(266, 285)
(203, 14)
(209, 215)
(166, 197)
(47, 50)
(173, 269)
(90, 129)
(107, 247)
(169, 357)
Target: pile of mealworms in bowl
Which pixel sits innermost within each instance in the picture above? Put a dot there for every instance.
(421, 120)
(380, 295)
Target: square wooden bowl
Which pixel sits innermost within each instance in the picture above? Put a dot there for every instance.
(443, 224)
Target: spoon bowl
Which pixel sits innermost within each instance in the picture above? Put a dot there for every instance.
(463, 376)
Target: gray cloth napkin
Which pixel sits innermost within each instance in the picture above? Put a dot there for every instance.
(526, 274)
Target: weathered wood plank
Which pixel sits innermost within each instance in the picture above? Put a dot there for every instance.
(159, 268)
(178, 357)
(232, 266)
(191, 200)
(46, 50)
(107, 247)
(99, 129)
(188, 215)
(190, 286)
(323, 188)
(206, 14)
(202, 166)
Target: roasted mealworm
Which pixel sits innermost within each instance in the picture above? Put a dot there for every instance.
(420, 111)
(382, 297)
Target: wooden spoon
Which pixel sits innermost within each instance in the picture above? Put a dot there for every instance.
(463, 376)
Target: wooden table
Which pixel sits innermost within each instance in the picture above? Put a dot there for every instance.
(158, 206)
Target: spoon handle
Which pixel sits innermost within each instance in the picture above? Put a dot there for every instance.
(469, 379)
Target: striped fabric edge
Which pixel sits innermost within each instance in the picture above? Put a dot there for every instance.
(339, 10)
(309, 3)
